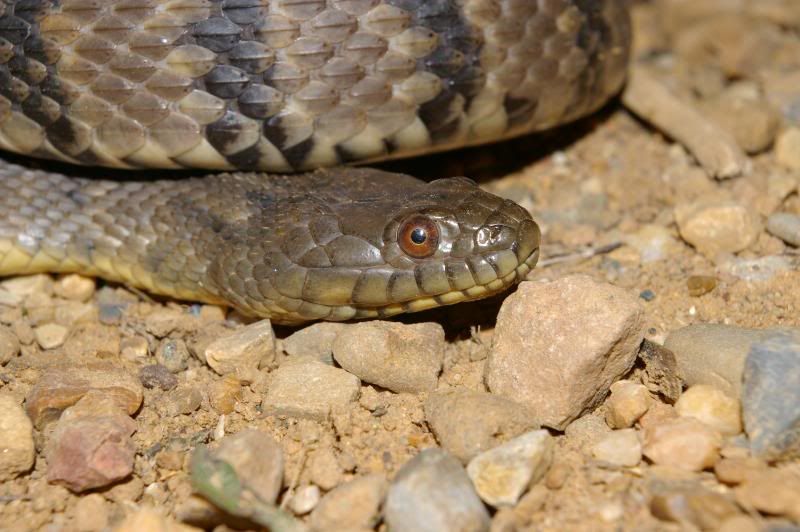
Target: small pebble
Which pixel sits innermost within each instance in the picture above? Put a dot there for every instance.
(737, 470)
(684, 443)
(51, 335)
(26, 285)
(703, 508)
(559, 346)
(246, 348)
(324, 469)
(184, 401)
(61, 387)
(620, 448)
(173, 354)
(467, 422)
(224, 393)
(771, 395)
(501, 475)
(91, 512)
(309, 389)
(654, 243)
(711, 406)
(90, 452)
(257, 459)
(9, 345)
(75, 287)
(627, 402)
(305, 499)
(647, 294)
(751, 121)
(432, 493)
(772, 491)
(785, 226)
(716, 226)
(393, 355)
(699, 285)
(157, 376)
(354, 505)
(134, 348)
(759, 269)
(314, 341)
(787, 148)
(17, 450)
(147, 519)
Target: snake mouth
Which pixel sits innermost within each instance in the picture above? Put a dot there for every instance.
(473, 293)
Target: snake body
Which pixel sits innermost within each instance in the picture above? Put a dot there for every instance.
(286, 86)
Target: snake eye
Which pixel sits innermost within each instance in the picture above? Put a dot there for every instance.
(418, 237)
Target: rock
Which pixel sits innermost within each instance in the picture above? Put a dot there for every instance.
(770, 395)
(351, 506)
(314, 341)
(752, 122)
(657, 414)
(157, 376)
(701, 507)
(184, 401)
(713, 354)
(711, 406)
(653, 242)
(660, 374)
(151, 520)
(759, 269)
(432, 493)
(17, 450)
(224, 394)
(396, 356)
(173, 354)
(89, 452)
(740, 523)
(134, 349)
(787, 148)
(684, 443)
(75, 287)
(467, 423)
(324, 469)
(559, 346)
(246, 348)
(91, 512)
(62, 386)
(309, 389)
(772, 491)
(257, 460)
(305, 499)
(501, 475)
(626, 404)
(93, 340)
(9, 345)
(737, 470)
(50, 335)
(620, 448)
(716, 226)
(785, 226)
(699, 285)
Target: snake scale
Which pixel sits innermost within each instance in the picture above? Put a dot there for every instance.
(267, 89)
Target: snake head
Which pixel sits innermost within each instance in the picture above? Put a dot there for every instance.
(361, 243)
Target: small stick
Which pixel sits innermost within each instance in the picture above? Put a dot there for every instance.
(587, 253)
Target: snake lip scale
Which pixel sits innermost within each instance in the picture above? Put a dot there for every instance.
(280, 86)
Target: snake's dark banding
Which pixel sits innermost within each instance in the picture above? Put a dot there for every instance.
(286, 86)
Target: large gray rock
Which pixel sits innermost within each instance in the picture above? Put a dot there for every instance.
(771, 396)
(432, 493)
(558, 346)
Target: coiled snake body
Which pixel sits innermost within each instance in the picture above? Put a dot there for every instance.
(286, 86)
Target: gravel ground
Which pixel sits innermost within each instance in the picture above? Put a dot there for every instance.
(645, 376)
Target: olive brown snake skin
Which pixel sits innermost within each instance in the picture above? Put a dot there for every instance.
(286, 86)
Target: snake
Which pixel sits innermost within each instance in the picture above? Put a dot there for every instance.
(284, 102)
